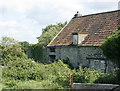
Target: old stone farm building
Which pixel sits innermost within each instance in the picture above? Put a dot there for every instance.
(81, 38)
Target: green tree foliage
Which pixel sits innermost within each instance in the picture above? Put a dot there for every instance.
(24, 46)
(49, 33)
(37, 52)
(10, 50)
(110, 78)
(111, 47)
(22, 69)
(86, 75)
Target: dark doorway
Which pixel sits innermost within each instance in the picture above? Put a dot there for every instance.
(52, 57)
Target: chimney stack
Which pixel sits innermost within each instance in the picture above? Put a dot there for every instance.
(77, 15)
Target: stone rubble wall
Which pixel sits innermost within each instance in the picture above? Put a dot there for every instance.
(103, 87)
(78, 55)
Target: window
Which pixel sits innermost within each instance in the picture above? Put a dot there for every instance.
(52, 49)
(52, 57)
(75, 39)
(78, 38)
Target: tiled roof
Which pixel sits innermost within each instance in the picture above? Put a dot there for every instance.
(97, 26)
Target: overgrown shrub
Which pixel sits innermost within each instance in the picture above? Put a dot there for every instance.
(23, 70)
(86, 75)
(60, 73)
(67, 61)
(55, 75)
(110, 78)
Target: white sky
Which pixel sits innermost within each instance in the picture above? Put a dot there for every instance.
(24, 19)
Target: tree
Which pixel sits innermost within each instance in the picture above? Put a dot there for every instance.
(111, 47)
(37, 53)
(24, 46)
(10, 50)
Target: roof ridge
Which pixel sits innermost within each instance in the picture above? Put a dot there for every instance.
(95, 14)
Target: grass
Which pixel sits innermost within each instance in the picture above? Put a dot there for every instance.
(36, 85)
(0, 86)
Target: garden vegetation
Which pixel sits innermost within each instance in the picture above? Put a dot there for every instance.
(19, 72)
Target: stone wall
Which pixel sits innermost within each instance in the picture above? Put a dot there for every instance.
(96, 87)
(80, 55)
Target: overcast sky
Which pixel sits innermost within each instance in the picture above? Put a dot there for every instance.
(24, 19)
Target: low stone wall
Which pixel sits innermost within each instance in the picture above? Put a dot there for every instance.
(103, 87)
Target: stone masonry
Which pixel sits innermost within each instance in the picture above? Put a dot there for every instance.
(84, 56)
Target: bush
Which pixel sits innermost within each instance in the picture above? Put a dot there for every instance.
(86, 75)
(51, 76)
(110, 78)
(56, 74)
(23, 70)
(67, 61)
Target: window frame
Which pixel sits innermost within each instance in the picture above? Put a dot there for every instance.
(75, 38)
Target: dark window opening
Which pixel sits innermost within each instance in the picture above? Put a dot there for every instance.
(75, 39)
(52, 49)
(52, 57)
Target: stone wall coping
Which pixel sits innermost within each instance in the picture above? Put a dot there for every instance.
(93, 86)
